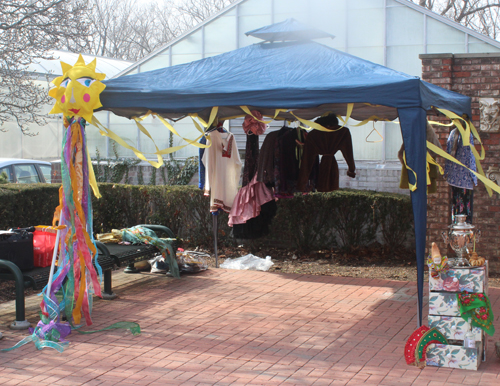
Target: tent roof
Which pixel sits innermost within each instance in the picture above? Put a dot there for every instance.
(289, 29)
(301, 75)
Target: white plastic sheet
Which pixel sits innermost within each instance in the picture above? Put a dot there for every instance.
(249, 261)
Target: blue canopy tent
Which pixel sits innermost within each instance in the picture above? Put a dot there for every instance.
(304, 78)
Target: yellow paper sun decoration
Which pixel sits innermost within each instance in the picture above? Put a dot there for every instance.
(77, 90)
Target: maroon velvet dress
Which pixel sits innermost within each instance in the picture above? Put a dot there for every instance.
(325, 144)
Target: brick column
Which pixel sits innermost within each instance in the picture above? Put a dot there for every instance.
(437, 69)
(474, 75)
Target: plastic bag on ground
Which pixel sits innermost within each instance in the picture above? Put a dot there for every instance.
(249, 261)
(158, 264)
(192, 261)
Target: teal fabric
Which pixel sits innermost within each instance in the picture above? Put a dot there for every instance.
(143, 235)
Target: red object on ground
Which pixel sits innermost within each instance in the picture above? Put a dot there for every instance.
(44, 242)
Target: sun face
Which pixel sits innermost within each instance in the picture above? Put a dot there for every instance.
(77, 91)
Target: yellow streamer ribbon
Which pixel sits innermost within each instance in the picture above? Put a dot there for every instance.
(465, 133)
(276, 112)
(109, 133)
(50, 227)
(313, 125)
(158, 156)
(189, 141)
(489, 185)
(92, 179)
(412, 187)
(432, 161)
(370, 119)
(350, 107)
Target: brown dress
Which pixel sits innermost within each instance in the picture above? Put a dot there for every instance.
(326, 144)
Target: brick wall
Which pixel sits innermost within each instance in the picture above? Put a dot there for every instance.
(474, 75)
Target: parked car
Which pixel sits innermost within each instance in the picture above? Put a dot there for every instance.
(26, 171)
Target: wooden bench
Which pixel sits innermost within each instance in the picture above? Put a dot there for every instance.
(110, 256)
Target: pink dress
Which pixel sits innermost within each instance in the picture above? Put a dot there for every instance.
(248, 201)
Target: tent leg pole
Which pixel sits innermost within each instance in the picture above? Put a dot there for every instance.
(419, 317)
(214, 226)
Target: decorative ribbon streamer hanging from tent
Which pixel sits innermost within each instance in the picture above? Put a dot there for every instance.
(465, 133)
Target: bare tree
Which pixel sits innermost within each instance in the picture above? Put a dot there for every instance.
(123, 29)
(28, 29)
(196, 11)
(130, 29)
(479, 15)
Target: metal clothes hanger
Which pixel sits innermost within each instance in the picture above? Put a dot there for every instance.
(370, 133)
(216, 126)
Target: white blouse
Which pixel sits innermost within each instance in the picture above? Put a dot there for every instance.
(222, 171)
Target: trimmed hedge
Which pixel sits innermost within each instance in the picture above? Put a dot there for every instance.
(340, 219)
(24, 205)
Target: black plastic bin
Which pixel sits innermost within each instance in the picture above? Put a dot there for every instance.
(17, 247)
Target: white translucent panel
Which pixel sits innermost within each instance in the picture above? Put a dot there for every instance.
(11, 145)
(363, 4)
(213, 54)
(405, 59)
(373, 54)
(338, 44)
(158, 132)
(190, 44)
(186, 129)
(95, 141)
(249, 23)
(296, 7)
(393, 140)
(320, 17)
(364, 150)
(476, 45)
(328, 7)
(134, 70)
(221, 34)
(114, 119)
(279, 17)
(156, 62)
(405, 26)
(127, 132)
(445, 48)
(366, 27)
(441, 33)
(255, 7)
(181, 59)
(47, 144)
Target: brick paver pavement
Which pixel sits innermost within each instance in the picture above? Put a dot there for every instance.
(228, 327)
